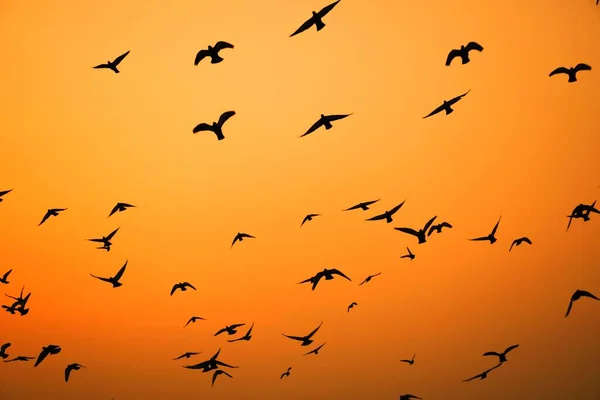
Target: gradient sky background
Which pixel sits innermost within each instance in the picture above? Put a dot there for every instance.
(521, 145)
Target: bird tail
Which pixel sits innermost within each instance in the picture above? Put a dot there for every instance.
(572, 78)
(216, 59)
(319, 24)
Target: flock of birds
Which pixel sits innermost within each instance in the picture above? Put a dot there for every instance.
(19, 303)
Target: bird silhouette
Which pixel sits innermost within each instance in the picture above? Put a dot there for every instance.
(306, 340)
(578, 295)
(483, 375)
(217, 373)
(3, 353)
(193, 320)
(72, 367)
(420, 234)
(2, 193)
(352, 305)
(438, 228)
(316, 19)
(114, 280)
(20, 358)
(51, 349)
(240, 237)
(327, 274)
(212, 52)
(409, 255)
(463, 53)
(409, 397)
(316, 350)
(492, 236)
(447, 106)
(4, 278)
(19, 304)
(181, 286)
(501, 356)
(215, 127)
(286, 373)
(388, 215)
(324, 120)
(230, 329)
(185, 355)
(246, 337)
(105, 240)
(120, 207)
(52, 212)
(517, 242)
(368, 279)
(309, 217)
(362, 206)
(582, 211)
(112, 65)
(571, 72)
(411, 361)
(210, 364)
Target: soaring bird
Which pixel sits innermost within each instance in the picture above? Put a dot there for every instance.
(120, 207)
(309, 217)
(411, 361)
(327, 274)
(240, 237)
(306, 340)
(420, 234)
(484, 374)
(20, 358)
(368, 279)
(246, 337)
(463, 53)
(210, 364)
(501, 356)
(491, 237)
(72, 367)
(51, 349)
(105, 240)
(52, 212)
(286, 373)
(193, 320)
(408, 397)
(324, 120)
(212, 52)
(363, 206)
(576, 296)
(185, 355)
(438, 228)
(572, 72)
(4, 278)
(3, 353)
(352, 305)
(447, 106)
(115, 279)
(517, 242)
(2, 193)
(316, 19)
(230, 329)
(217, 373)
(388, 214)
(181, 286)
(409, 255)
(582, 211)
(113, 65)
(215, 127)
(316, 350)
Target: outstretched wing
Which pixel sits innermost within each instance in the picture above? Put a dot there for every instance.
(473, 46)
(220, 331)
(113, 233)
(313, 128)
(338, 272)
(325, 10)
(437, 110)
(559, 70)
(526, 240)
(102, 279)
(189, 285)
(41, 357)
(496, 227)
(585, 293)
(315, 331)
(428, 224)
(457, 98)
(7, 274)
(582, 67)
(474, 377)
(395, 209)
(46, 216)
(175, 287)
(410, 231)
(68, 372)
(491, 353)
(200, 56)
(293, 337)
(377, 217)
(225, 116)
(202, 127)
(102, 66)
(307, 24)
(121, 271)
(120, 58)
(220, 45)
(514, 346)
(451, 56)
(336, 117)
(114, 210)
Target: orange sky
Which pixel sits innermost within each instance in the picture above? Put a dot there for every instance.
(521, 145)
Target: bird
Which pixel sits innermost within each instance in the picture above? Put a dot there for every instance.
(240, 237)
(4, 278)
(52, 212)
(210, 364)
(193, 320)
(420, 234)
(316, 19)
(20, 358)
(582, 211)
(388, 214)
(517, 242)
(408, 397)
(113, 65)
(327, 274)
(185, 355)
(217, 373)
(2, 193)
(501, 356)
(105, 240)
(286, 373)
(309, 217)
(409, 255)
(368, 279)
(306, 340)
(362, 206)
(483, 375)
(352, 305)
(492, 236)
(438, 228)
(325, 120)
(215, 127)
(230, 329)
(447, 106)
(463, 53)
(114, 280)
(182, 286)
(246, 337)
(571, 72)
(411, 361)
(3, 353)
(212, 52)
(51, 349)
(576, 296)
(316, 350)
(72, 367)
(120, 207)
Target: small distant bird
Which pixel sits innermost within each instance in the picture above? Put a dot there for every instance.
(572, 72)
(217, 373)
(517, 242)
(210, 364)
(193, 320)
(3, 353)
(230, 329)
(72, 367)
(411, 361)
(409, 255)
(212, 52)
(106, 243)
(309, 217)
(363, 206)
(463, 53)
(286, 373)
(501, 356)
(120, 207)
(368, 279)
(315, 351)
(115, 279)
(181, 286)
(576, 296)
(420, 234)
(316, 19)
(447, 106)
(306, 340)
(327, 274)
(4, 278)
(582, 211)
(52, 212)
(2, 193)
(388, 214)
(51, 349)
(438, 228)
(409, 397)
(491, 237)
(113, 65)
(215, 127)
(186, 355)
(240, 237)
(324, 120)
(246, 337)
(20, 358)
(483, 375)
(352, 305)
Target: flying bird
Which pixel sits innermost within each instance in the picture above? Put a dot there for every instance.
(186, 355)
(3, 353)
(52, 212)
(409, 397)
(576, 296)
(212, 52)
(113, 65)
(215, 127)
(51, 349)
(106, 243)
(2, 193)
(20, 358)
(240, 237)
(120, 207)
(193, 320)
(72, 367)
(438, 228)
(447, 106)
(491, 237)
(316, 19)
(306, 340)
(217, 373)
(286, 373)
(517, 242)
(309, 217)
(114, 280)
(210, 364)
(324, 120)
(409, 255)
(420, 234)
(4, 278)
(463, 53)
(572, 72)
(181, 286)
(582, 211)
(368, 279)
(246, 337)
(411, 361)
(352, 305)
(388, 214)
(501, 356)
(230, 329)
(327, 274)
(315, 351)
(484, 374)
(363, 206)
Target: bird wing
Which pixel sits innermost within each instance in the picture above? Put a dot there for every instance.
(102, 66)
(245, 235)
(377, 217)
(445, 224)
(113, 233)
(513, 243)
(310, 352)
(316, 280)
(559, 70)
(200, 56)
(114, 210)
(179, 358)
(307, 24)
(96, 240)
(175, 287)
(480, 239)
(315, 331)
(235, 326)
(220, 45)
(202, 127)
(496, 227)
(68, 372)
(428, 224)
(395, 209)
(526, 240)
(325, 10)
(225, 116)
(474, 377)
(41, 357)
(189, 285)
(2, 193)
(569, 308)
(410, 231)
(214, 377)
(307, 280)
(338, 272)
(304, 220)
(102, 279)
(220, 331)
(7, 274)
(473, 46)
(587, 294)
(4, 347)
(510, 348)
(313, 128)
(582, 67)
(491, 353)
(235, 340)
(336, 117)
(293, 337)
(121, 271)
(457, 98)
(46, 216)
(223, 364)
(432, 229)
(451, 55)
(437, 110)
(118, 60)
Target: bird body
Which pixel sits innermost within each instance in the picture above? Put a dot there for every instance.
(193, 320)
(316, 350)
(286, 373)
(352, 305)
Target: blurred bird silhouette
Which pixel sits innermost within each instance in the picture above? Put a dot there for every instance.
(362, 206)
(306, 340)
(309, 217)
(368, 279)
(316, 19)
(210, 364)
(120, 207)
(324, 120)
(114, 280)
(571, 72)
(181, 286)
(388, 215)
(230, 329)
(447, 106)
(217, 373)
(410, 255)
(463, 53)
(52, 212)
(352, 305)
(212, 52)
(193, 320)
(2, 193)
(240, 237)
(112, 65)
(185, 355)
(492, 236)
(420, 234)
(409, 397)
(411, 361)
(72, 367)
(578, 295)
(501, 356)
(316, 350)
(246, 337)
(106, 243)
(327, 274)
(3, 353)
(286, 373)
(20, 358)
(517, 242)
(438, 228)
(215, 127)
(4, 278)
(582, 211)
(483, 375)
(51, 349)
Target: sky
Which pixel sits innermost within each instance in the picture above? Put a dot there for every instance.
(521, 146)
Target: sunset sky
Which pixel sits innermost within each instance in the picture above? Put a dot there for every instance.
(520, 145)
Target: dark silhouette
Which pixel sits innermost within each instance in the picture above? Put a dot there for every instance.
(363, 206)
(19, 304)
(3, 353)
(52, 212)
(582, 211)
(327, 274)
(492, 236)
(409, 255)
(181, 286)
(240, 237)
(20, 358)
(463, 53)
(388, 214)
(501, 356)
(324, 120)
(246, 337)
(409, 397)
(212, 52)
(2, 193)
(352, 305)
(484, 374)
(216, 127)
(51, 349)
(115, 279)
(309, 217)
(315, 351)
(447, 106)
(113, 65)
(420, 234)
(316, 19)
(72, 367)
(120, 207)
(306, 340)
(438, 228)
(193, 320)
(517, 242)
(368, 279)
(186, 355)
(286, 373)
(106, 243)
(210, 364)
(576, 296)
(217, 373)
(230, 329)
(572, 72)
(411, 361)
(4, 278)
